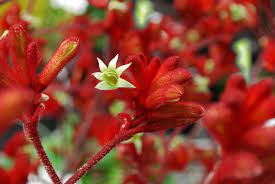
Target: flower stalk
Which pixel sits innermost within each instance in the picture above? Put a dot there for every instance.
(121, 136)
(31, 131)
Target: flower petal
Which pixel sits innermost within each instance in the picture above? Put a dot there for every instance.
(122, 68)
(101, 65)
(240, 165)
(97, 75)
(178, 75)
(104, 86)
(165, 94)
(121, 83)
(177, 111)
(112, 64)
(261, 138)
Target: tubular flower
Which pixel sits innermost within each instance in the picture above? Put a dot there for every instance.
(20, 60)
(110, 76)
(250, 143)
(64, 53)
(158, 98)
(13, 103)
(269, 56)
(25, 60)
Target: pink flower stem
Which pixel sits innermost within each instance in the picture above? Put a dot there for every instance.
(30, 128)
(121, 136)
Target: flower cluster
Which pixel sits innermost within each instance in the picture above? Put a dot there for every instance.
(248, 145)
(143, 92)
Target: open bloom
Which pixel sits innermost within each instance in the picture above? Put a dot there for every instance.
(238, 123)
(110, 76)
(158, 99)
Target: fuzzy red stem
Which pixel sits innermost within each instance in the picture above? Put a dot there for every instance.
(123, 135)
(31, 131)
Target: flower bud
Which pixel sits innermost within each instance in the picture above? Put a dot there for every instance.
(178, 111)
(18, 46)
(65, 52)
(12, 103)
(169, 93)
(179, 76)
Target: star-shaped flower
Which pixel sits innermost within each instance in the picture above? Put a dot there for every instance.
(110, 76)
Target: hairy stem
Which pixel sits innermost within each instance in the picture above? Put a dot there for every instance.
(121, 136)
(30, 128)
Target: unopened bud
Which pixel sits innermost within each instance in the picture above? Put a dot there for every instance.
(65, 52)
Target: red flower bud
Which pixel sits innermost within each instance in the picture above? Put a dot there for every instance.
(65, 52)
(241, 165)
(178, 111)
(18, 46)
(13, 102)
(173, 115)
(179, 76)
(169, 93)
(258, 92)
(169, 64)
(261, 138)
(32, 60)
(177, 158)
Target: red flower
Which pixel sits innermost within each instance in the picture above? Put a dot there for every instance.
(158, 98)
(140, 160)
(177, 158)
(21, 169)
(13, 103)
(12, 17)
(25, 58)
(237, 122)
(269, 56)
(13, 145)
(104, 128)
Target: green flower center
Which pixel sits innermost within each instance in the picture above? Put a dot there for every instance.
(110, 76)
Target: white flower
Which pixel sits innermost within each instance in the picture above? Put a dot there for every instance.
(110, 76)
